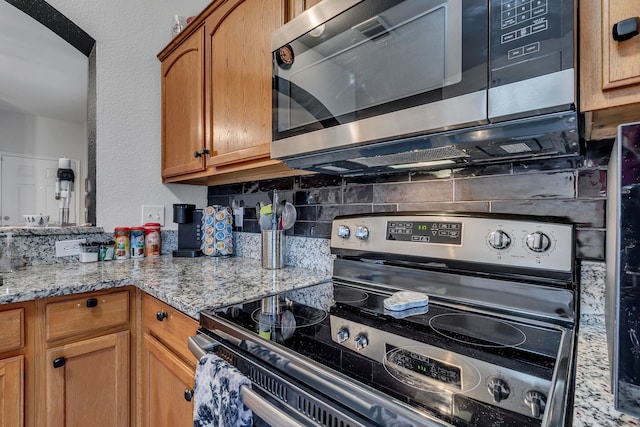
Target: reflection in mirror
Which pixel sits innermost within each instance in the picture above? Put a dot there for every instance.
(44, 84)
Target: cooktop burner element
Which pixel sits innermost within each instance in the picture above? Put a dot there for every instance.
(477, 330)
(494, 347)
(347, 295)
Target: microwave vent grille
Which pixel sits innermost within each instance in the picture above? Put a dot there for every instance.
(427, 155)
(375, 29)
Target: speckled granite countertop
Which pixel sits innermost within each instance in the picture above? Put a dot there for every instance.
(192, 285)
(187, 284)
(593, 399)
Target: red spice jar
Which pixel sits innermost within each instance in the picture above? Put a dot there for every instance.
(152, 239)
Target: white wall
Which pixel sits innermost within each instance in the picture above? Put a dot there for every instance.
(41, 136)
(129, 35)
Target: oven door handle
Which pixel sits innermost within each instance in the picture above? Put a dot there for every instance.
(201, 344)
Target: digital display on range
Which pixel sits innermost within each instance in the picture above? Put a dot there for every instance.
(449, 233)
(425, 366)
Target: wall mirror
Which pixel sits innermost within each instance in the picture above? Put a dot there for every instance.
(47, 111)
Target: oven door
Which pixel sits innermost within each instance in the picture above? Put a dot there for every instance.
(288, 390)
(352, 71)
(266, 411)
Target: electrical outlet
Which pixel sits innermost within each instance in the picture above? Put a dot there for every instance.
(68, 247)
(153, 214)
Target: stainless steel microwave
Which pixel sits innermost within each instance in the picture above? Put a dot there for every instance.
(381, 85)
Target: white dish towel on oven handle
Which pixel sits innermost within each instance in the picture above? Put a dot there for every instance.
(216, 397)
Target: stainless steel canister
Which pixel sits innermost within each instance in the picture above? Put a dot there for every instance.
(273, 249)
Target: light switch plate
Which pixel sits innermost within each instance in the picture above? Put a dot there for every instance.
(68, 247)
(152, 213)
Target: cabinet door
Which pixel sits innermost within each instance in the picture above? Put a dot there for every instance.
(296, 7)
(12, 331)
(166, 383)
(183, 108)
(621, 59)
(239, 84)
(169, 326)
(12, 392)
(87, 382)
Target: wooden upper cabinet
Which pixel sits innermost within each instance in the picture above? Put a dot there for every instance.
(216, 95)
(239, 83)
(609, 69)
(183, 136)
(296, 7)
(621, 65)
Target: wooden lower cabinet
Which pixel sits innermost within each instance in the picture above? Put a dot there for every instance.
(12, 392)
(17, 367)
(87, 382)
(168, 367)
(85, 359)
(167, 382)
(112, 358)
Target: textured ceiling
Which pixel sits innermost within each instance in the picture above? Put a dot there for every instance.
(40, 73)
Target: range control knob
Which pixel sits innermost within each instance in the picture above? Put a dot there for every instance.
(538, 242)
(361, 341)
(499, 389)
(536, 401)
(362, 232)
(499, 240)
(342, 335)
(344, 231)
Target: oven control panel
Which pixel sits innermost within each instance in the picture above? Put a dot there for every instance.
(434, 369)
(509, 242)
(437, 232)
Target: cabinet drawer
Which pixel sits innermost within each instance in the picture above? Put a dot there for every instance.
(87, 314)
(170, 326)
(12, 330)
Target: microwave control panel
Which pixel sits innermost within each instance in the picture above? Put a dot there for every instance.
(530, 38)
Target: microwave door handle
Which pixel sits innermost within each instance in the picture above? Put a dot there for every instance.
(201, 345)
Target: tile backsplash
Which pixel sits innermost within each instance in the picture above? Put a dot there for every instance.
(573, 188)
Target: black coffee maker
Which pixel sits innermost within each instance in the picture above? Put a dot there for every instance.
(188, 219)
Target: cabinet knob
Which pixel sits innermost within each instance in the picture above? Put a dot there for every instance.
(188, 394)
(625, 29)
(59, 362)
(92, 302)
(161, 315)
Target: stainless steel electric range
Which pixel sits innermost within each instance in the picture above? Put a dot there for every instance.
(430, 320)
